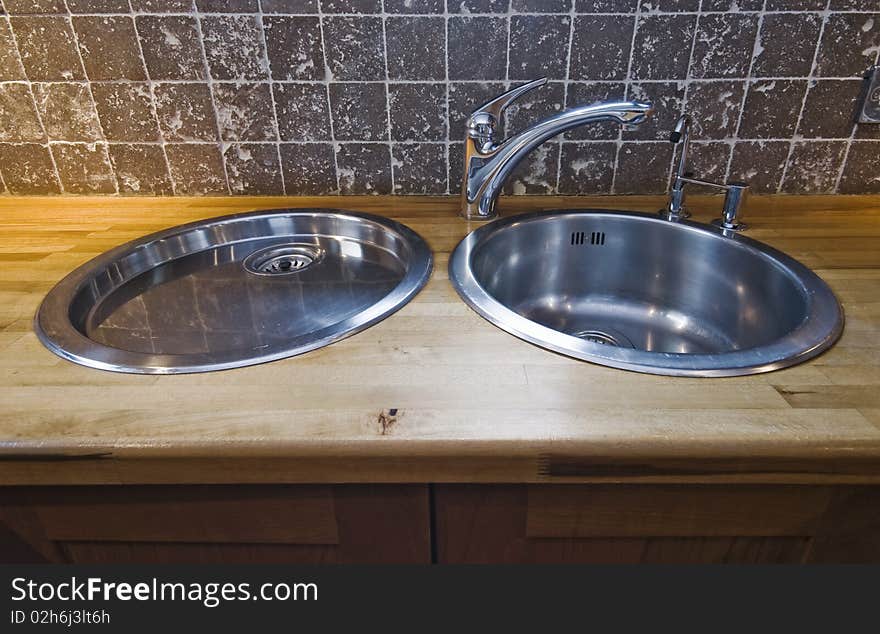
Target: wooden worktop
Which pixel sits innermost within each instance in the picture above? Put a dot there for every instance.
(433, 393)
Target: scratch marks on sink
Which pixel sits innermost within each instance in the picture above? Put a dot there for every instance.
(386, 420)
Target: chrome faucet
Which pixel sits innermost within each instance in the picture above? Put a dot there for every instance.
(675, 209)
(488, 162)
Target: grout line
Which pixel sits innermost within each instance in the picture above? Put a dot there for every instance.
(387, 97)
(446, 81)
(328, 74)
(92, 95)
(795, 137)
(153, 106)
(271, 96)
(565, 93)
(627, 83)
(220, 143)
(746, 89)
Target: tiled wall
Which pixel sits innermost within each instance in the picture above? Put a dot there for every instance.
(369, 96)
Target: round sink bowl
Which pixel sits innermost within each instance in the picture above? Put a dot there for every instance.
(638, 292)
(233, 291)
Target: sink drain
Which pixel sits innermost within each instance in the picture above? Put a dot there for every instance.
(604, 337)
(284, 259)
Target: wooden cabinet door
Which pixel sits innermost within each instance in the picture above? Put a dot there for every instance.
(656, 523)
(195, 524)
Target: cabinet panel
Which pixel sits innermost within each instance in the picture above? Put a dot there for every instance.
(655, 524)
(296, 523)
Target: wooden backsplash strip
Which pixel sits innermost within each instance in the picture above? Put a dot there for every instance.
(308, 97)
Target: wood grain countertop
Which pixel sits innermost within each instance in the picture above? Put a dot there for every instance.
(434, 393)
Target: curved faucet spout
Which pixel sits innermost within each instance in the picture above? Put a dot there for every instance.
(488, 164)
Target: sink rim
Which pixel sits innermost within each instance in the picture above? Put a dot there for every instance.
(813, 336)
(55, 331)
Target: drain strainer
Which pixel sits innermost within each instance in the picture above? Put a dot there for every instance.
(604, 337)
(282, 259)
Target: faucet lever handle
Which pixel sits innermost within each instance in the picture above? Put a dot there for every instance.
(496, 106)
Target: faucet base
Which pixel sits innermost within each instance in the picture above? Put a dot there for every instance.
(674, 215)
(736, 226)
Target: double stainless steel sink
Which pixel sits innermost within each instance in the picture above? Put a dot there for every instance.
(627, 290)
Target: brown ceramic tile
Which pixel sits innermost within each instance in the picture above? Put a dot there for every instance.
(539, 46)
(464, 98)
(537, 173)
(18, 117)
(419, 168)
(252, 168)
(478, 6)
(771, 108)
(234, 47)
(67, 111)
(84, 168)
(600, 47)
(162, 6)
(813, 167)
(354, 47)
(171, 46)
(830, 107)
(414, 6)
(477, 48)
(196, 169)
(48, 48)
(34, 6)
(303, 112)
(228, 6)
(605, 6)
(289, 6)
(787, 44)
(586, 93)
(796, 5)
(10, 66)
(294, 45)
(455, 161)
(715, 106)
(351, 6)
(140, 169)
(359, 112)
(661, 47)
(759, 163)
(535, 105)
(587, 168)
(244, 112)
(309, 169)
(860, 175)
(669, 5)
(541, 6)
(668, 100)
(364, 168)
(185, 112)
(707, 161)
(418, 112)
(27, 169)
(724, 45)
(850, 44)
(643, 168)
(126, 111)
(732, 5)
(416, 47)
(109, 47)
(98, 6)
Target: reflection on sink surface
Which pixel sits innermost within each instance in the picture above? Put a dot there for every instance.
(233, 291)
(638, 292)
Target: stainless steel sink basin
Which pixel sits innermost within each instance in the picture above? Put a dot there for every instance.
(233, 291)
(638, 292)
